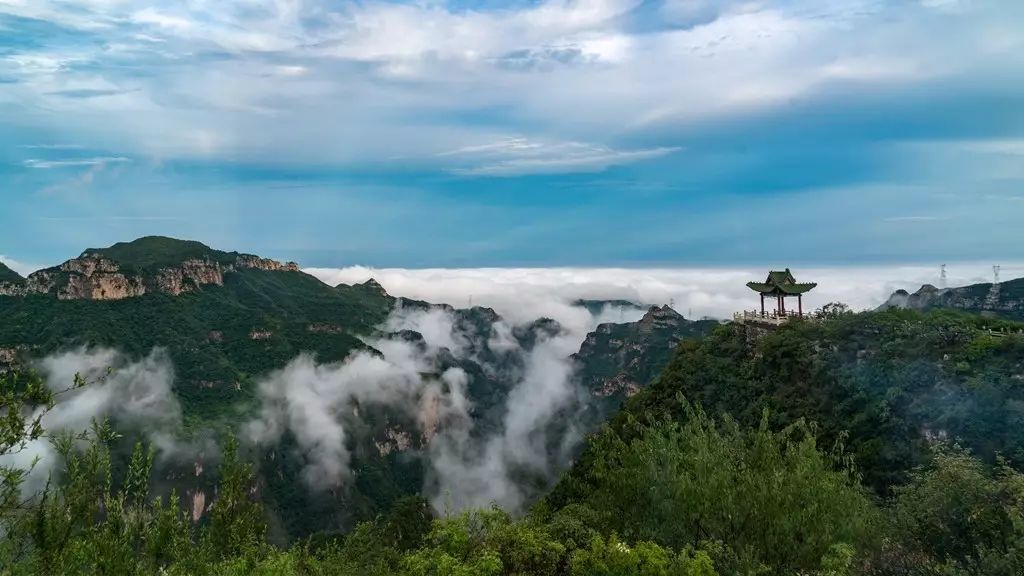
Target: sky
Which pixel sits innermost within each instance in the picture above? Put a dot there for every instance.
(524, 134)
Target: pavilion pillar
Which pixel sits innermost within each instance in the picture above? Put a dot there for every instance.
(762, 305)
(800, 304)
(782, 304)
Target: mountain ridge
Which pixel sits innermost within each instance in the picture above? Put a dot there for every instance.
(1004, 300)
(145, 265)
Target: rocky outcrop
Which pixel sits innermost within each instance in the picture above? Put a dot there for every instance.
(89, 264)
(12, 289)
(260, 334)
(659, 318)
(189, 276)
(324, 329)
(101, 286)
(93, 276)
(616, 385)
(248, 261)
(1005, 299)
(617, 359)
(8, 356)
(394, 440)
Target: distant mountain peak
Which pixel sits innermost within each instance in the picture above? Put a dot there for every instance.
(374, 286)
(145, 265)
(1005, 299)
(8, 275)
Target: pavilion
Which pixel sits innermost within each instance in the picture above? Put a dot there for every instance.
(782, 285)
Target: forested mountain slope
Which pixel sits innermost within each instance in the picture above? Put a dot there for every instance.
(887, 385)
(245, 335)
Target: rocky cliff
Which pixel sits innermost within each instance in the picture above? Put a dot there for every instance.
(1005, 300)
(617, 359)
(96, 276)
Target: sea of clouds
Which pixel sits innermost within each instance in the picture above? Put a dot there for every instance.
(521, 294)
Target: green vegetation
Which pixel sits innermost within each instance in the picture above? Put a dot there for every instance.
(8, 275)
(619, 358)
(209, 334)
(862, 444)
(150, 253)
(889, 385)
(683, 495)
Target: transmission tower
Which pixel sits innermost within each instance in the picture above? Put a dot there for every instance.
(995, 273)
(942, 276)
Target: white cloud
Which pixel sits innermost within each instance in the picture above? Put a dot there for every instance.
(98, 161)
(916, 218)
(519, 156)
(319, 82)
(1006, 146)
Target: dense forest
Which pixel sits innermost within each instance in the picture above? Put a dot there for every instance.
(877, 443)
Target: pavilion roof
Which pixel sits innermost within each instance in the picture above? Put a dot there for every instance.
(781, 282)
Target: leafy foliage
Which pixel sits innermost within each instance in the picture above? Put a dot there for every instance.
(772, 498)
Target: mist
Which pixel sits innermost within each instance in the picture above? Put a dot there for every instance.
(134, 395)
(319, 405)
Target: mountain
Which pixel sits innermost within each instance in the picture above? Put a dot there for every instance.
(1004, 300)
(234, 324)
(886, 385)
(596, 307)
(223, 317)
(618, 359)
(8, 276)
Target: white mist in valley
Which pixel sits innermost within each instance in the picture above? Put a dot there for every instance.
(317, 404)
(134, 395)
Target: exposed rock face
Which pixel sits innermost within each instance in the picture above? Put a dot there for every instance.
(663, 317)
(89, 264)
(92, 276)
(618, 384)
(324, 328)
(260, 334)
(255, 262)
(429, 416)
(40, 282)
(198, 505)
(12, 289)
(1005, 299)
(8, 355)
(616, 359)
(394, 440)
(102, 286)
(189, 276)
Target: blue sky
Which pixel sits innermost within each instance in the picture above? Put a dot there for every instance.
(484, 133)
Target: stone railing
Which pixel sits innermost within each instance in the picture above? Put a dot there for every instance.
(768, 317)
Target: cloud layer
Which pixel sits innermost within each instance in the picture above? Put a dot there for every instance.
(522, 294)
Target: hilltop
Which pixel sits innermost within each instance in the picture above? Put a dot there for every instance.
(8, 275)
(1004, 300)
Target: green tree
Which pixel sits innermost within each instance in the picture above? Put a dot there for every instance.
(960, 516)
(773, 498)
(237, 526)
